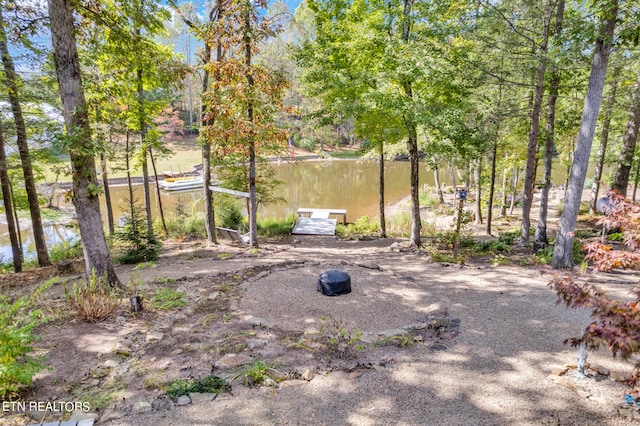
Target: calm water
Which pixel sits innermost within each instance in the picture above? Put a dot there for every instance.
(350, 185)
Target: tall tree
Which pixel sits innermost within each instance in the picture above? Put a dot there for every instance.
(16, 249)
(12, 83)
(562, 250)
(629, 140)
(81, 150)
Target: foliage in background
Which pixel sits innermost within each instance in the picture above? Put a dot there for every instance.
(616, 324)
(66, 250)
(94, 300)
(17, 320)
(362, 227)
(272, 228)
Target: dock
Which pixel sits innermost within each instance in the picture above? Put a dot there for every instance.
(317, 221)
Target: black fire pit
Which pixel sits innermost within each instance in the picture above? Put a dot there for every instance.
(334, 283)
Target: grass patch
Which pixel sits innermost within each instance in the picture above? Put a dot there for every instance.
(207, 384)
(363, 226)
(259, 372)
(167, 298)
(95, 299)
(276, 228)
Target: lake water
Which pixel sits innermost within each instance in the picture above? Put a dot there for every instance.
(338, 184)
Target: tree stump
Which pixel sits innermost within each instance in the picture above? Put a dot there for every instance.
(136, 303)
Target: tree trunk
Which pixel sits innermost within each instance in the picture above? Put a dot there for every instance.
(383, 225)
(514, 190)
(107, 193)
(436, 179)
(155, 174)
(636, 180)
(478, 174)
(146, 190)
(253, 202)
(452, 175)
(503, 202)
(532, 149)
(562, 251)
(12, 82)
(85, 197)
(16, 219)
(492, 185)
(604, 140)
(132, 206)
(540, 240)
(8, 206)
(629, 140)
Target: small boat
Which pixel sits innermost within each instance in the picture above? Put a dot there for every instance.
(181, 183)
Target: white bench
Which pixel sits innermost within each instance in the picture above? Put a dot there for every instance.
(233, 235)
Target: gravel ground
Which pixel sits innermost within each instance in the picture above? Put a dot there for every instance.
(495, 373)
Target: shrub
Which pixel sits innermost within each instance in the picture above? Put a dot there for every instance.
(259, 372)
(363, 226)
(339, 341)
(616, 324)
(95, 299)
(230, 216)
(276, 227)
(66, 250)
(138, 246)
(492, 246)
(17, 321)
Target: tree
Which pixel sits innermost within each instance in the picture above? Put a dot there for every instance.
(16, 248)
(81, 150)
(629, 140)
(12, 85)
(562, 250)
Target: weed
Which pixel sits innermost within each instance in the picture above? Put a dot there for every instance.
(274, 228)
(208, 384)
(145, 265)
(339, 341)
(17, 321)
(500, 259)
(616, 236)
(259, 372)
(95, 299)
(99, 398)
(363, 226)
(223, 256)
(254, 250)
(543, 257)
(167, 298)
(402, 341)
(226, 318)
(163, 280)
(492, 246)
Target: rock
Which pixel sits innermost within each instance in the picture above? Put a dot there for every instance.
(110, 363)
(369, 265)
(258, 276)
(81, 415)
(121, 320)
(393, 332)
(254, 344)
(307, 375)
(234, 306)
(37, 415)
(141, 407)
(163, 402)
(379, 368)
(87, 422)
(122, 349)
(617, 376)
(183, 400)
(354, 375)
(233, 360)
(199, 398)
(626, 412)
(154, 335)
(418, 325)
(259, 322)
(292, 383)
(636, 415)
(121, 369)
(176, 352)
(213, 295)
(100, 372)
(600, 369)
(109, 415)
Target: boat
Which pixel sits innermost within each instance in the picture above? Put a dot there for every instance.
(181, 183)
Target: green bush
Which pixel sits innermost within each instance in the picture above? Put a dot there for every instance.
(17, 322)
(208, 384)
(363, 226)
(509, 237)
(66, 250)
(492, 246)
(167, 298)
(138, 246)
(307, 144)
(230, 216)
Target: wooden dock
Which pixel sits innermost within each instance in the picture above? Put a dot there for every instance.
(318, 222)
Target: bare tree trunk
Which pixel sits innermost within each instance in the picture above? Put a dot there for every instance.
(604, 140)
(452, 175)
(85, 197)
(8, 206)
(478, 174)
(16, 219)
(503, 202)
(155, 174)
(107, 193)
(540, 240)
(636, 179)
(514, 190)
(562, 250)
(492, 185)
(127, 153)
(253, 202)
(383, 224)
(11, 82)
(530, 170)
(436, 179)
(146, 190)
(629, 140)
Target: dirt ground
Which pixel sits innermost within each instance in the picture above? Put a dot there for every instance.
(431, 343)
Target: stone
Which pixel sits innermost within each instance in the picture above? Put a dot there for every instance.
(292, 383)
(393, 332)
(354, 375)
(369, 265)
(259, 322)
(200, 397)
(69, 423)
(142, 407)
(87, 422)
(601, 370)
(79, 416)
(176, 352)
(183, 400)
(418, 325)
(100, 372)
(121, 320)
(122, 349)
(121, 369)
(233, 360)
(234, 306)
(617, 376)
(307, 375)
(213, 295)
(636, 415)
(379, 368)
(255, 344)
(50, 424)
(110, 363)
(163, 402)
(110, 414)
(154, 335)
(626, 412)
